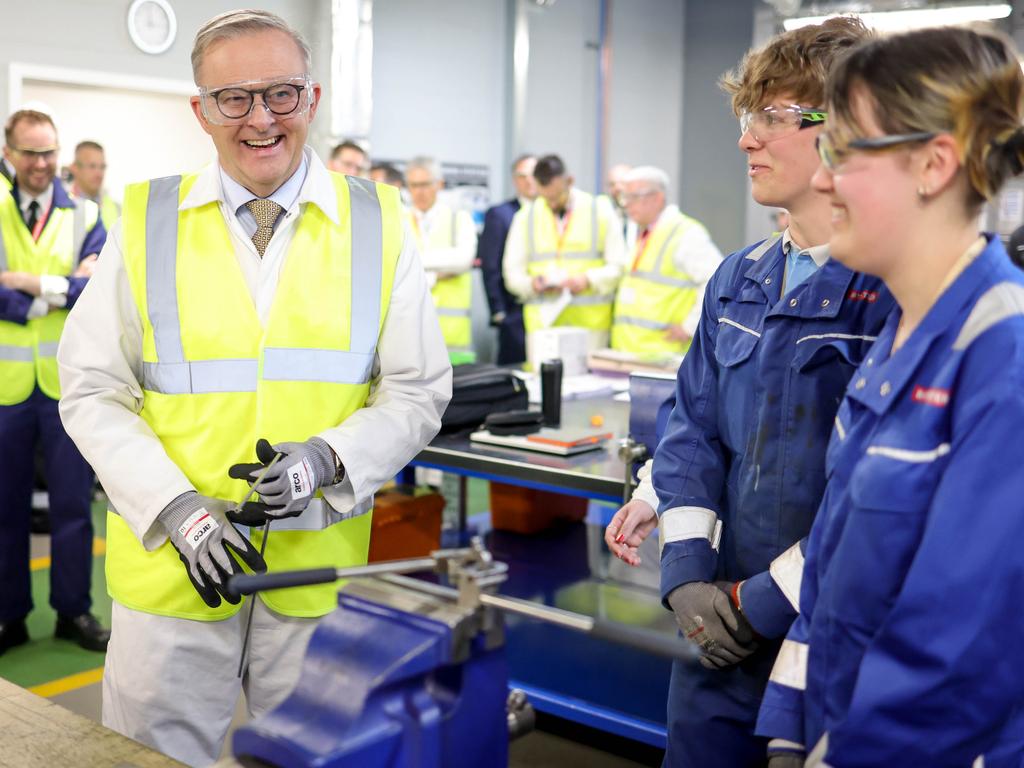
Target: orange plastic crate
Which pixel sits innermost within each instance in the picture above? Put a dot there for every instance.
(526, 510)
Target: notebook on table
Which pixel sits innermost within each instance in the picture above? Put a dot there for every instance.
(561, 442)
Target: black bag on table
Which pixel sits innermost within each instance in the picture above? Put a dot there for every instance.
(480, 389)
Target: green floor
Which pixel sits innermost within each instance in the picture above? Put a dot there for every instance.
(45, 658)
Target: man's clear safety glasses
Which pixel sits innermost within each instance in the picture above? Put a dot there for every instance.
(232, 104)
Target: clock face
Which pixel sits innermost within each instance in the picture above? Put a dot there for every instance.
(152, 25)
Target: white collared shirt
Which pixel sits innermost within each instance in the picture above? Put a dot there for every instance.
(100, 360)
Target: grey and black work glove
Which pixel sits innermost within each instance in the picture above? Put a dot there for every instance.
(706, 615)
(288, 489)
(197, 528)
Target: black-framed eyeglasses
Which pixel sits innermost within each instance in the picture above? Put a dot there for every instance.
(832, 156)
(235, 102)
(774, 122)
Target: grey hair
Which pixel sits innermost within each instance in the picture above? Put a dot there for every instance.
(234, 24)
(656, 177)
(425, 163)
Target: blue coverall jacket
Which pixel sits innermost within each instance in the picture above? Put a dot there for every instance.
(740, 472)
(908, 647)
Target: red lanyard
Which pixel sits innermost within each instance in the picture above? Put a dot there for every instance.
(641, 249)
(41, 222)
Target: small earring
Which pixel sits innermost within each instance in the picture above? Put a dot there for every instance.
(922, 193)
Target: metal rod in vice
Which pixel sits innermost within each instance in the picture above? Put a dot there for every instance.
(263, 548)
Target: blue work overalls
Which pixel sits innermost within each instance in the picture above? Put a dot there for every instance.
(740, 471)
(907, 650)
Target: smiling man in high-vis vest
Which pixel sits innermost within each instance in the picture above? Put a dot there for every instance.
(47, 248)
(446, 239)
(261, 306)
(658, 303)
(566, 240)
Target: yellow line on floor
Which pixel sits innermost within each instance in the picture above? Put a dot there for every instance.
(69, 683)
(99, 547)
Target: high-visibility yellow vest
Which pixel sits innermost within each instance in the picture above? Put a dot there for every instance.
(655, 294)
(215, 380)
(453, 296)
(28, 353)
(109, 211)
(580, 247)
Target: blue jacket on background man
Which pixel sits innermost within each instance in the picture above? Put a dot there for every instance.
(506, 311)
(740, 471)
(907, 648)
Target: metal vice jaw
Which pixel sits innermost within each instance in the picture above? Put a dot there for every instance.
(400, 675)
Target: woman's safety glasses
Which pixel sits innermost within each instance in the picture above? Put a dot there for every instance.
(832, 155)
(231, 104)
(773, 122)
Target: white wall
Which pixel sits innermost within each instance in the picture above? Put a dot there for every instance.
(93, 35)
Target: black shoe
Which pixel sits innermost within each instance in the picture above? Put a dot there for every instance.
(12, 633)
(84, 629)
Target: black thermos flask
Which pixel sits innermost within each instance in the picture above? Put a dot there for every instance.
(551, 392)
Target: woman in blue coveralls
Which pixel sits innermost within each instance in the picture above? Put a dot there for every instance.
(740, 472)
(907, 650)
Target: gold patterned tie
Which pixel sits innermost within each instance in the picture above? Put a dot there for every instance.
(265, 212)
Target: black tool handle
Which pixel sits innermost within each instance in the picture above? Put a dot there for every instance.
(657, 643)
(246, 584)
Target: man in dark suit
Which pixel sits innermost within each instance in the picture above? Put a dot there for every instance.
(506, 311)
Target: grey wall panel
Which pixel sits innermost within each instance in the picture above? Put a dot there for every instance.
(713, 170)
(439, 80)
(645, 114)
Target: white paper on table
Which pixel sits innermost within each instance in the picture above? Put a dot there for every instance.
(550, 310)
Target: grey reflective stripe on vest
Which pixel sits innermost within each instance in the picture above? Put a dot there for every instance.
(333, 366)
(995, 305)
(78, 232)
(763, 248)
(591, 299)
(454, 225)
(367, 266)
(3, 250)
(593, 225)
(531, 240)
(449, 312)
(16, 354)
(655, 277)
(641, 322)
(664, 247)
(172, 374)
(200, 376)
(47, 348)
(161, 270)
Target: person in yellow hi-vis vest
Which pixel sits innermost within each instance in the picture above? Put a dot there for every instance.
(260, 306)
(565, 248)
(658, 303)
(87, 171)
(446, 239)
(48, 246)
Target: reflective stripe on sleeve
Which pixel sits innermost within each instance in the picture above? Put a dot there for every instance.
(683, 523)
(790, 667)
(787, 571)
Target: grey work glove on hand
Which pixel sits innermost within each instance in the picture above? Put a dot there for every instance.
(288, 489)
(197, 528)
(707, 616)
(786, 760)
